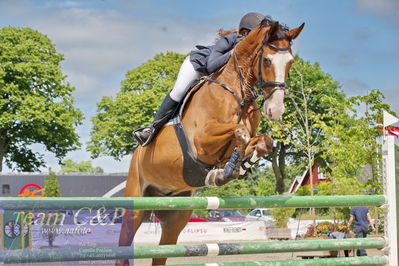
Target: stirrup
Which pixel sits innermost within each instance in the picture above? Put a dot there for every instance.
(144, 141)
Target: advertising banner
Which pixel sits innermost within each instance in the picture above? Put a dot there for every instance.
(70, 235)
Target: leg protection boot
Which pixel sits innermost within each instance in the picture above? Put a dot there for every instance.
(231, 164)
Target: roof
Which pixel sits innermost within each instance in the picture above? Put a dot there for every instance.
(71, 185)
(298, 180)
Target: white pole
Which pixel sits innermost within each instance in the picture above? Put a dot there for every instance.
(388, 161)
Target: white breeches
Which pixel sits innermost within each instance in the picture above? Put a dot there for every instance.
(187, 74)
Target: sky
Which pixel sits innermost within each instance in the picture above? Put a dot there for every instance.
(355, 41)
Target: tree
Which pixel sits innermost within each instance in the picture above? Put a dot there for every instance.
(69, 166)
(51, 185)
(141, 93)
(299, 133)
(374, 105)
(51, 189)
(36, 102)
(282, 216)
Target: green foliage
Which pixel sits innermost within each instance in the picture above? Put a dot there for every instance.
(36, 102)
(69, 166)
(303, 191)
(342, 186)
(51, 185)
(374, 106)
(265, 187)
(322, 125)
(299, 133)
(292, 170)
(282, 215)
(350, 142)
(51, 189)
(236, 187)
(337, 186)
(307, 83)
(141, 94)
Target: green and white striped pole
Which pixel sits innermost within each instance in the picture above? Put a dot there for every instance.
(167, 251)
(188, 203)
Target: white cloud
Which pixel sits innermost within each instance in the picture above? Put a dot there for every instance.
(354, 87)
(99, 40)
(105, 44)
(392, 96)
(86, 83)
(99, 47)
(11, 9)
(387, 9)
(62, 4)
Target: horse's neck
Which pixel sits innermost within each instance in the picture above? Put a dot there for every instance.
(230, 76)
(241, 62)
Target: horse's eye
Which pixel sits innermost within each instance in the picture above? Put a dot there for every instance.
(266, 61)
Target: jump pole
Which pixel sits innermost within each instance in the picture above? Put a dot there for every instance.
(167, 251)
(189, 203)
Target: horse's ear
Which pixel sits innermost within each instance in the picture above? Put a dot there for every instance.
(295, 32)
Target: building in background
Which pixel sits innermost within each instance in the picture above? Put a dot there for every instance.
(71, 185)
(304, 180)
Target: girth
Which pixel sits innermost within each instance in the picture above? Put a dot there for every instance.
(194, 171)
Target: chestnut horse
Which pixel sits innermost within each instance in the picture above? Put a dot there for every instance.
(263, 58)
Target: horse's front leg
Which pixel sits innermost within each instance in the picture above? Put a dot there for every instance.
(241, 161)
(242, 138)
(215, 135)
(258, 147)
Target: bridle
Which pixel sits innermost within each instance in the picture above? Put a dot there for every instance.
(260, 83)
(251, 94)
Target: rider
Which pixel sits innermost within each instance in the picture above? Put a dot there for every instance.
(203, 61)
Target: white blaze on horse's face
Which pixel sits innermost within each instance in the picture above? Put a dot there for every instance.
(274, 106)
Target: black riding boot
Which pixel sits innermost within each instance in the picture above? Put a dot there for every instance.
(145, 135)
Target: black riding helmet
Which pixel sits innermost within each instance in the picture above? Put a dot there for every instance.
(250, 21)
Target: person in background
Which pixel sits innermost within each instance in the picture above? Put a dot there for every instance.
(362, 218)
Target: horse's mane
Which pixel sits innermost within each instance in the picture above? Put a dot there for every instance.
(222, 33)
(267, 21)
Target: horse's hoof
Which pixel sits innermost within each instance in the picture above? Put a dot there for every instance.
(215, 178)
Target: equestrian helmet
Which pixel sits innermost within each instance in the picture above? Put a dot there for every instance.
(250, 21)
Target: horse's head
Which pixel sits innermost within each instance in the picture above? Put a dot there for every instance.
(270, 63)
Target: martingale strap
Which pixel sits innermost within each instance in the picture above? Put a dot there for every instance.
(241, 102)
